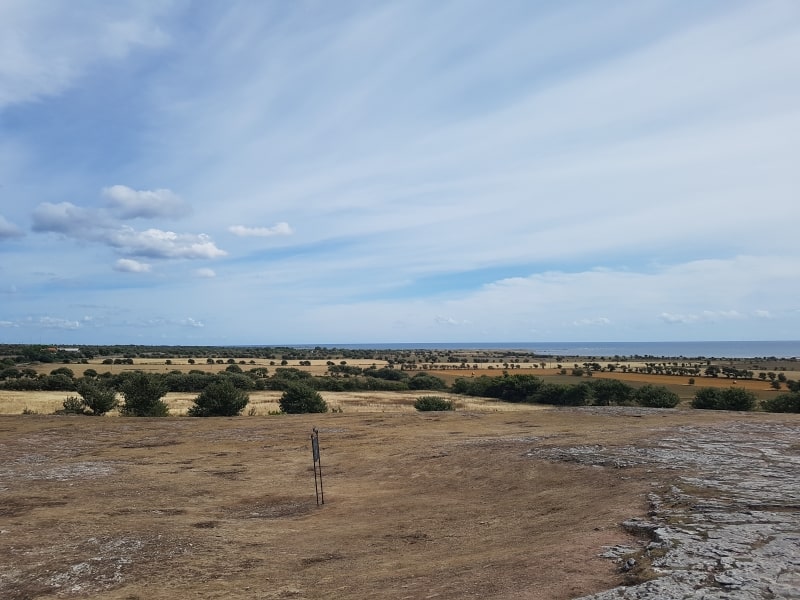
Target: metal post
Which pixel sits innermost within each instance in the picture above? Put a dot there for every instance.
(317, 465)
(314, 465)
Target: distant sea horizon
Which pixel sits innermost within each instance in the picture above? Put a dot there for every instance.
(708, 349)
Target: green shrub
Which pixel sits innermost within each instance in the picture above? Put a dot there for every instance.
(610, 392)
(737, 399)
(728, 399)
(299, 398)
(656, 396)
(426, 403)
(72, 406)
(221, 399)
(425, 381)
(706, 398)
(784, 403)
(143, 393)
(97, 398)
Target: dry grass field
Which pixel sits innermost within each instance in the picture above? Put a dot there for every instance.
(417, 505)
(433, 505)
(443, 505)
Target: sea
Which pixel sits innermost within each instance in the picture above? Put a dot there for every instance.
(737, 349)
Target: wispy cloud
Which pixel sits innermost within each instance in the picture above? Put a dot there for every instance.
(36, 32)
(277, 229)
(450, 171)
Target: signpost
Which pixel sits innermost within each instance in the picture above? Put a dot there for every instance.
(317, 466)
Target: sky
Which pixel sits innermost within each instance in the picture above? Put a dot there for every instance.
(312, 172)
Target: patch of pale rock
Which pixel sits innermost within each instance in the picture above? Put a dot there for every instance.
(730, 530)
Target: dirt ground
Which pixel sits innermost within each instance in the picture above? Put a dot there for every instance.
(436, 505)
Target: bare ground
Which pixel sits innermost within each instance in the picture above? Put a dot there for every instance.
(448, 505)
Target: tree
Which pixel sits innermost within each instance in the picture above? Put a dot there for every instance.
(99, 399)
(63, 371)
(729, 399)
(736, 399)
(143, 393)
(783, 403)
(221, 399)
(425, 381)
(608, 392)
(300, 398)
(706, 398)
(656, 396)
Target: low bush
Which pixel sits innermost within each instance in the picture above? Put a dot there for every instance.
(221, 399)
(724, 399)
(429, 403)
(299, 398)
(783, 403)
(656, 396)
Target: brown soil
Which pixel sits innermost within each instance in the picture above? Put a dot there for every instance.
(444, 505)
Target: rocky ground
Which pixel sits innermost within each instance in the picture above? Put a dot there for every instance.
(730, 525)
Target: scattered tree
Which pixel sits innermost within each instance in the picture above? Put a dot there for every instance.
(98, 399)
(221, 399)
(299, 398)
(143, 393)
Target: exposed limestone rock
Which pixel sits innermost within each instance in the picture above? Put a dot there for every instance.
(728, 529)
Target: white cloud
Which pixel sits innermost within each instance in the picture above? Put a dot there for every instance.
(763, 314)
(8, 230)
(84, 224)
(277, 229)
(128, 203)
(128, 265)
(205, 273)
(8, 324)
(156, 243)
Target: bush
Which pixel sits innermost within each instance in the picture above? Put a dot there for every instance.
(784, 403)
(426, 403)
(656, 396)
(706, 398)
(300, 398)
(609, 392)
(72, 406)
(143, 395)
(97, 398)
(221, 399)
(424, 381)
(728, 399)
(736, 399)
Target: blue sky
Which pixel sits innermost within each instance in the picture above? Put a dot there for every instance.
(269, 172)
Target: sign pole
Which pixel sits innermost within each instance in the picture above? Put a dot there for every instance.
(314, 457)
(317, 466)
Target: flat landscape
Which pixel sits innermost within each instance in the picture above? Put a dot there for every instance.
(491, 500)
(467, 504)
